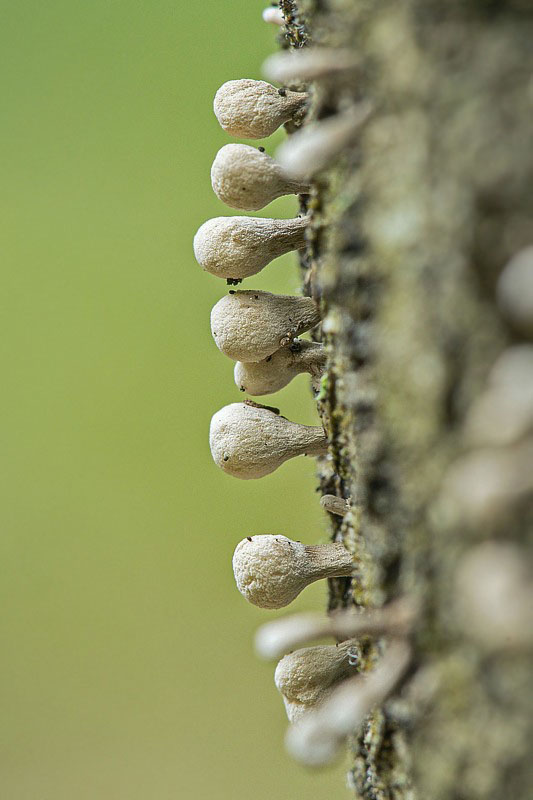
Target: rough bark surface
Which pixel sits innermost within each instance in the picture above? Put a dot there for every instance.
(410, 230)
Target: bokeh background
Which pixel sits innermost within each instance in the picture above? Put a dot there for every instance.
(127, 668)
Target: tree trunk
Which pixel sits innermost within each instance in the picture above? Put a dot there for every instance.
(411, 227)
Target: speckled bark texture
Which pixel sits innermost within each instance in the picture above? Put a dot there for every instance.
(410, 230)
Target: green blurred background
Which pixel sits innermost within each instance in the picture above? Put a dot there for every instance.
(127, 662)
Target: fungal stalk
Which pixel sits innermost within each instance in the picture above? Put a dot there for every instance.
(250, 441)
(276, 371)
(314, 147)
(251, 325)
(306, 677)
(309, 64)
(244, 177)
(238, 247)
(270, 571)
(318, 736)
(255, 109)
(282, 635)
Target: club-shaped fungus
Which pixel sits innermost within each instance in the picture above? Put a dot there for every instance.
(255, 109)
(276, 371)
(306, 677)
(317, 737)
(244, 177)
(238, 247)
(249, 442)
(251, 325)
(270, 571)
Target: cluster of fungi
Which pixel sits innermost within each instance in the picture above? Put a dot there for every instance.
(329, 690)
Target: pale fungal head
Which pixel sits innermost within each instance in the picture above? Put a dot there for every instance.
(255, 109)
(335, 505)
(238, 247)
(249, 441)
(309, 64)
(317, 738)
(244, 177)
(276, 371)
(270, 571)
(314, 147)
(306, 677)
(284, 634)
(251, 325)
(274, 16)
(515, 291)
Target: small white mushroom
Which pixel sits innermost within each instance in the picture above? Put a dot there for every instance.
(255, 109)
(274, 16)
(277, 370)
(515, 291)
(282, 635)
(306, 677)
(244, 177)
(238, 247)
(249, 441)
(251, 325)
(314, 147)
(504, 411)
(317, 737)
(335, 505)
(308, 64)
(270, 571)
(494, 596)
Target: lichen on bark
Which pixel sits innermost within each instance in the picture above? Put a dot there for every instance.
(409, 230)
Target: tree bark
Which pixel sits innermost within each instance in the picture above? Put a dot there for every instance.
(411, 227)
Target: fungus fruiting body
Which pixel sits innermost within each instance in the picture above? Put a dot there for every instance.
(274, 16)
(238, 247)
(312, 148)
(278, 637)
(251, 325)
(249, 442)
(273, 373)
(317, 737)
(270, 571)
(308, 64)
(255, 109)
(244, 177)
(335, 505)
(306, 677)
